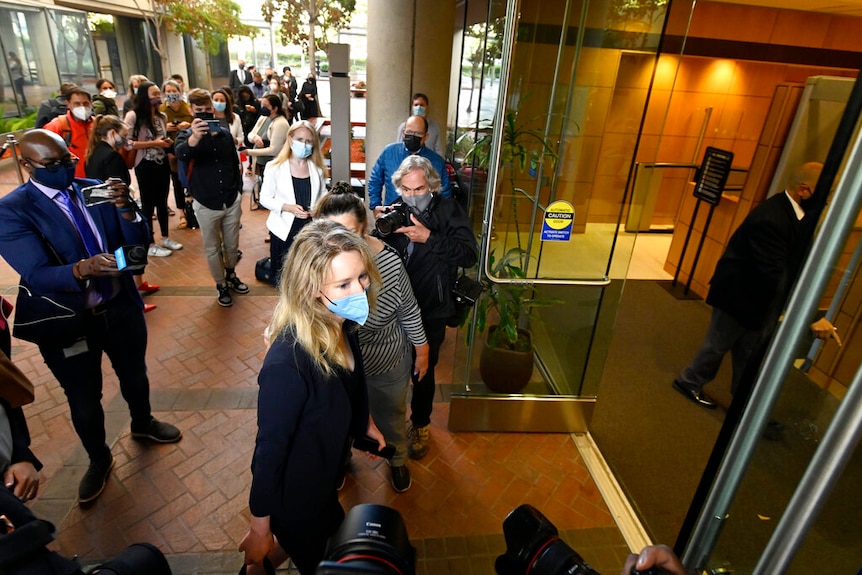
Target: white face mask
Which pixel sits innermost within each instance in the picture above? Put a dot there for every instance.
(109, 93)
(83, 113)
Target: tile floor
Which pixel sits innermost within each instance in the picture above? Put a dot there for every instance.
(190, 499)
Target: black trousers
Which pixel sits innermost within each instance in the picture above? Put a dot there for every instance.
(423, 389)
(305, 541)
(154, 181)
(121, 333)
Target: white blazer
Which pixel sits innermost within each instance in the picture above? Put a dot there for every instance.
(277, 190)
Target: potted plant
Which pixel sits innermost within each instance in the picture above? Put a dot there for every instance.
(506, 359)
(520, 144)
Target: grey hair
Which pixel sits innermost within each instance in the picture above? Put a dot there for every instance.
(414, 162)
(173, 83)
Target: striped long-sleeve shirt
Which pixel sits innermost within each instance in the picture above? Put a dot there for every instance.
(394, 321)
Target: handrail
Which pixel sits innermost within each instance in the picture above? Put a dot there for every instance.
(11, 142)
(679, 165)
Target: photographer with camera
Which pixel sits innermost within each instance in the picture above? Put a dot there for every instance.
(64, 251)
(207, 153)
(432, 234)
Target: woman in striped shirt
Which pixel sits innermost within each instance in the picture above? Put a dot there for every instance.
(394, 325)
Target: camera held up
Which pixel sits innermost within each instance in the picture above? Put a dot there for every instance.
(397, 215)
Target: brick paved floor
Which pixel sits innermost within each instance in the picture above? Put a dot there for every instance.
(190, 499)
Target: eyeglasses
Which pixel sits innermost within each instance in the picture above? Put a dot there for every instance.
(412, 133)
(55, 165)
(419, 190)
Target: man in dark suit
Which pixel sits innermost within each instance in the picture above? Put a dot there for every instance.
(239, 77)
(750, 286)
(65, 250)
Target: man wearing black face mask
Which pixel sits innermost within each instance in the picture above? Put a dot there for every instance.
(64, 250)
(437, 242)
(412, 143)
(750, 285)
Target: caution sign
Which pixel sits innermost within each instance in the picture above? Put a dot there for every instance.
(559, 220)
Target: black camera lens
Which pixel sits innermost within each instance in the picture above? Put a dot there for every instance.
(372, 539)
(398, 216)
(534, 548)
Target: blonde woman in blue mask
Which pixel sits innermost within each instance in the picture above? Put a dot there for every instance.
(292, 183)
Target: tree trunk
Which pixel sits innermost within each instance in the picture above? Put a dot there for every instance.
(312, 48)
(160, 50)
(312, 43)
(207, 57)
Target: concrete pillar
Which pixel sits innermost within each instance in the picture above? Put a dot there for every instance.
(432, 59)
(390, 61)
(409, 50)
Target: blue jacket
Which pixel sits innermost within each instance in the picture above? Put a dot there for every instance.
(28, 219)
(388, 162)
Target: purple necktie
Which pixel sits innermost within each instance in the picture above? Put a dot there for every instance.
(84, 230)
(105, 286)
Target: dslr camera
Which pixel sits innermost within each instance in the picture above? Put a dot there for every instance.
(372, 540)
(395, 216)
(533, 547)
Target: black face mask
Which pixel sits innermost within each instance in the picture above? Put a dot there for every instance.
(412, 143)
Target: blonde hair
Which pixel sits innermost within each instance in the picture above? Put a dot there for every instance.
(299, 310)
(287, 152)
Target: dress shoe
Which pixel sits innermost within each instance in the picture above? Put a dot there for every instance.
(157, 431)
(149, 307)
(94, 480)
(698, 397)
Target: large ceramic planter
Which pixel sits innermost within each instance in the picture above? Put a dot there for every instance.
(504, 370)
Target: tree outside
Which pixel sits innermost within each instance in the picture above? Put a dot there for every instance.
(208, 22)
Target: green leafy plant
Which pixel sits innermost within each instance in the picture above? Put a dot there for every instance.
(511, 302)
(519, 144)
(16, 123)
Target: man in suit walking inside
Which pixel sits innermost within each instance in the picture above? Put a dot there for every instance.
(64, 249)
(239, 77)
(750, 286)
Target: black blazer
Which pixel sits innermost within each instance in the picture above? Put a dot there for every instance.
(236, 81)
(105, 162)
(754, 276)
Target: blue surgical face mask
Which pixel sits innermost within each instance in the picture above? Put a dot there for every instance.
(219, 106)
(418, 110)
(301, 149)
(353, 307)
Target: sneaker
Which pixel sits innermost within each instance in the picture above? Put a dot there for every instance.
(95, 479)
(158, 251)
(236, 284)
(157, 431)
(420, 439)
(224, 298)
(171, 244)
(401, 481)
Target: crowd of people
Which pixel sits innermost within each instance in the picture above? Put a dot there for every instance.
(359, 318)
